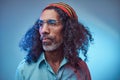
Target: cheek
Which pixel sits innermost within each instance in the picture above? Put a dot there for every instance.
(40, 31)
(59, 36)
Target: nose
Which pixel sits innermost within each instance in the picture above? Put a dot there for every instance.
(44, 29)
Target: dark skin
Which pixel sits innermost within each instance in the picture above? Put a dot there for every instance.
(53, 49)
(55, 59)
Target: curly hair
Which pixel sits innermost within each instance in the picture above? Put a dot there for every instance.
(76, 39)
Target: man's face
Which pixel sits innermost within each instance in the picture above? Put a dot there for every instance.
(50, 30)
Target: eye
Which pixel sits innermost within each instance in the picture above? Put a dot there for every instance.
(52, 22)
(40, 22)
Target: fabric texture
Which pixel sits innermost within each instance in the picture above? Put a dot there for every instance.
(66, 8)
(41, 70)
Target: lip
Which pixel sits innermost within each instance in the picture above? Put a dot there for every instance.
(45, 40)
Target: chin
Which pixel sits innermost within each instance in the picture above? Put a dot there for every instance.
(51, 47)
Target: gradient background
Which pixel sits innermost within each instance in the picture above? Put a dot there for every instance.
(101, 16)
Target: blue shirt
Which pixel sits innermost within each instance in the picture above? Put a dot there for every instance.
(41, 70)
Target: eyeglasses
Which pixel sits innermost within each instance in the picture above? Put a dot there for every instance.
(50, 22)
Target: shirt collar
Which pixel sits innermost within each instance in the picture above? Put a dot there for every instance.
(64, 61)
(42, 58)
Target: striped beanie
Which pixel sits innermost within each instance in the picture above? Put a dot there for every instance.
(65, 7)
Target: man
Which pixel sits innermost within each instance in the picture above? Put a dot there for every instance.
(53, 45)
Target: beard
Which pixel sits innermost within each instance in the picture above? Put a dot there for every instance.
(51, 44)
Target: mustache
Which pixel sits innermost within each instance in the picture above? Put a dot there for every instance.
(47, 37)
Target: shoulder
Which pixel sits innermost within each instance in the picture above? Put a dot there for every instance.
(20, 70)
(84, 70)
(22, 65)
(82, 64)
(24, 70)
(25, 66)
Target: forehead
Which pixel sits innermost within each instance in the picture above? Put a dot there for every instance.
(49, 14)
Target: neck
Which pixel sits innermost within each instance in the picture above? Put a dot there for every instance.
(54, 58)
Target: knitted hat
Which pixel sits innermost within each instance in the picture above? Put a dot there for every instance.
(66, 8)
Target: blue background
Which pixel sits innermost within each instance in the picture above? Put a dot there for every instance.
(101, 16)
